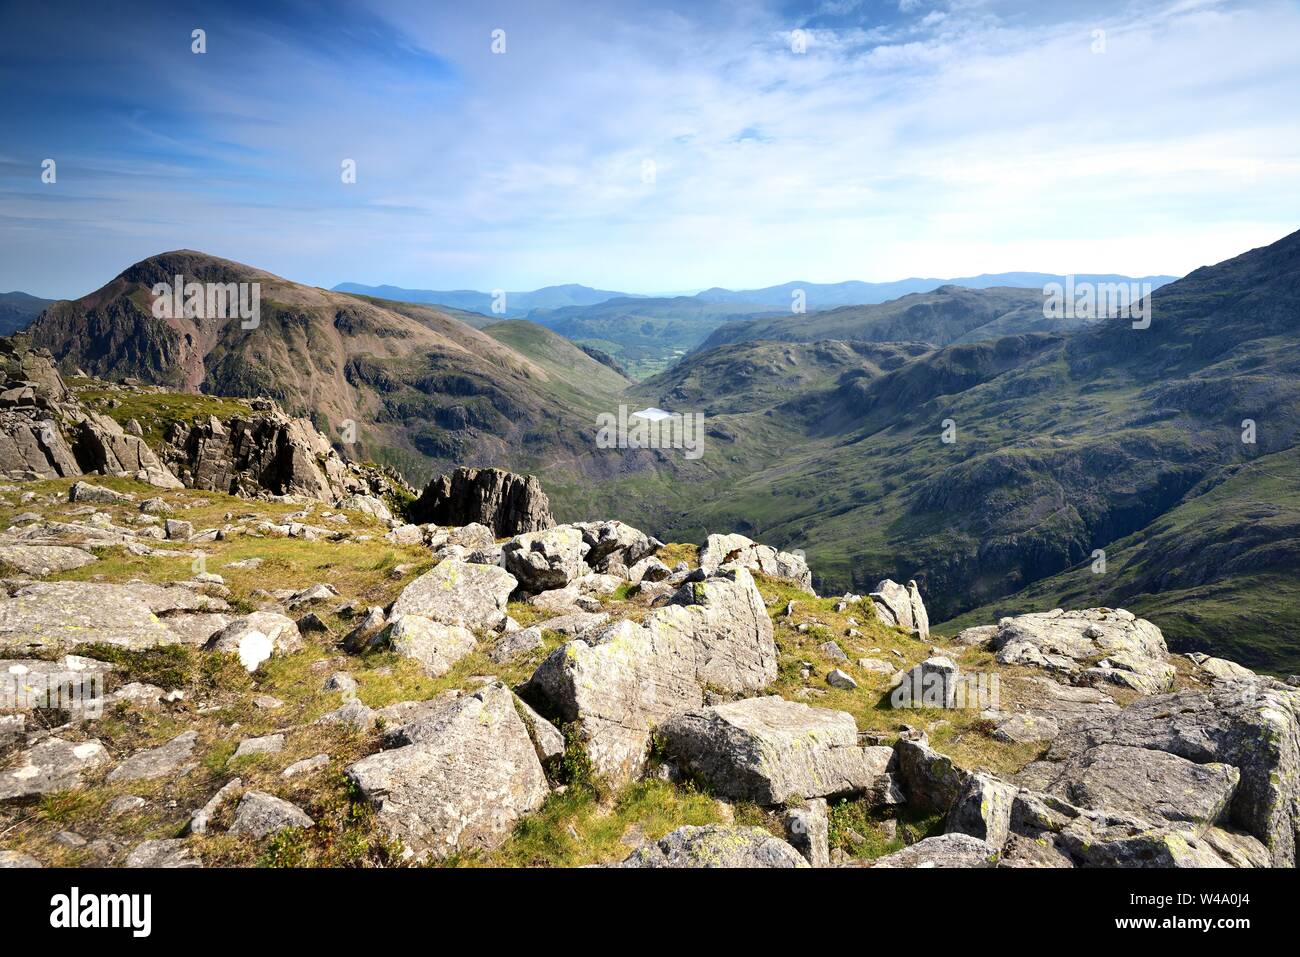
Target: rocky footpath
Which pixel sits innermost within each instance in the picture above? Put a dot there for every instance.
(199, 679)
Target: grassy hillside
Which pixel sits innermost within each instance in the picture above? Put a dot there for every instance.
(645, 336)
(1228, 555)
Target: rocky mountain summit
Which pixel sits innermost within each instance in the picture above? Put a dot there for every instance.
(259, 662)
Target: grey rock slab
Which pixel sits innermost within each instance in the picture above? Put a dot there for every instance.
(42, 560)
(51, 765)
(716, 845)
(260, 814)
(165, 853)
(946, 850)
(169, 759)
(458, 593)
(461, 777)
(769, 750)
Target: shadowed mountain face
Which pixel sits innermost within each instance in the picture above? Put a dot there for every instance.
(18, 310)
(424, 390)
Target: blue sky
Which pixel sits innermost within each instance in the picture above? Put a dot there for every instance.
(646, 147)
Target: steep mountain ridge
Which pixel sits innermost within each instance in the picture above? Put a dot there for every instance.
(422, 389)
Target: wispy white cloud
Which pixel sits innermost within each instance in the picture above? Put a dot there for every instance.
(944, 139)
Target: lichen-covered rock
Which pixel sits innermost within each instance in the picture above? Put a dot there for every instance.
(901, 607)
(982, 809)
(724, 552)
(42, 560)
(545, 560)
(1253, 727)
(946, 850)
(436, 646)
(260, 814)
(507, 503)
(770, 750)
(716, 845)
(931, 780)
(619, 681)
(256, 637)
(461, 776)
(458, 593)
(1091, 646)
(807, 828)
(1154, 785)
(59, 616)
(51, 765)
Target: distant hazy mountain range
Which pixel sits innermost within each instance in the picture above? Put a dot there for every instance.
(514, 303)
(18, 310)
(647, 334)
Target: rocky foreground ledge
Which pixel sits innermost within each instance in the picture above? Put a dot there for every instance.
(212, 680)
(216, 669)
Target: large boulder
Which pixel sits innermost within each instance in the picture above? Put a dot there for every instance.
(507, 503)
(547, 559)
(723, 552)
(460, 776)
(932, 781)
(436, 646)
(1253, 728)
(770, 750)
(1092, 646)
(458, 593)
(256, 637)
(619, 681)
(614, 544)
(901, 607)
(946, 850)
(716, 845)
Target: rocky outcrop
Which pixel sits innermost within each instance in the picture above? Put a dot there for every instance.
(458, 593)
(1093, 646)
(620, 681)
(267, 451)
(722, 552)
(769, 750)
(546, 560)
(507, 503)
(616, 547)
(716, 845)
(901, 607)
(103, 447)
(1229, 755)
(458, 776)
